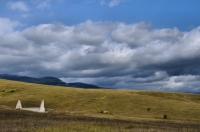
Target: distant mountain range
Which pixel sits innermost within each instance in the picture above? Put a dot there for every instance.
(47, 81)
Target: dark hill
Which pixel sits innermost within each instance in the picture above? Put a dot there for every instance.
(46, 81)
(82, 85)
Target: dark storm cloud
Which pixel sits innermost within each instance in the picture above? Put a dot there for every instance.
(157, 76)
(104, 53)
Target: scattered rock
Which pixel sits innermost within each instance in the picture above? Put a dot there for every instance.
(164, 117)
(104, 111)
(148, 109)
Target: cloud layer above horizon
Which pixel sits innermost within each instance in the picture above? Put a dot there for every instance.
(108, 54)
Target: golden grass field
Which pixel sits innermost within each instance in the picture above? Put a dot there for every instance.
(81, 108)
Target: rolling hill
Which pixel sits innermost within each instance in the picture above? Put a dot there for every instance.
(46, 81)
(120, 103)
(77, 109)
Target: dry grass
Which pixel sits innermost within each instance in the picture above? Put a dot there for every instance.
(120, 104)
(15, 121)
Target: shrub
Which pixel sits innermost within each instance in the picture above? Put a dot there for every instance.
(13, 90)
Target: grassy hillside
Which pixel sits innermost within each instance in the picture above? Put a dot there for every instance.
(121, 104)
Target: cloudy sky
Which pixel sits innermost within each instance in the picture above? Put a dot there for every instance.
(124, 44)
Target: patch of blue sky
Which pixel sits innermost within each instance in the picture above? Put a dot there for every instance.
(182, 14)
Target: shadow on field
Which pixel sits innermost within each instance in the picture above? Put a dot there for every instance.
(16, 120)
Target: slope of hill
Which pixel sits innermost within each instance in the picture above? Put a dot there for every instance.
(96, 109)
(118, 103)
(46, 81)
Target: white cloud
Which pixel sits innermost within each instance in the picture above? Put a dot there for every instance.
(44, 4)
(111, 3)
(171, 84)
(102, 2)
(108, 54)
(6, 25)
(20, 5)
(114, 3)
(141, 34)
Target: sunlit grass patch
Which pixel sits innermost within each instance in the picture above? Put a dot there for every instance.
(119, 104)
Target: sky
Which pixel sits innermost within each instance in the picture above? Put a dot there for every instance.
(122, 44)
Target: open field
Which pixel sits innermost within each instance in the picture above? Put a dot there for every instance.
(80, 109)
(11, 121)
